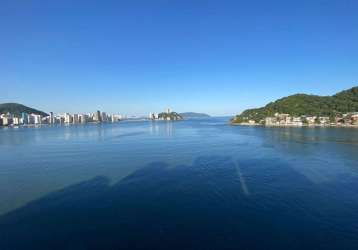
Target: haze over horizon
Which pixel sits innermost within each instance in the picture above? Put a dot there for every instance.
(136, 57)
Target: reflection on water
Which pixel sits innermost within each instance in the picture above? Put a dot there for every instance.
(315, 135)
(186, 185)
(161, 128)
(244, 188)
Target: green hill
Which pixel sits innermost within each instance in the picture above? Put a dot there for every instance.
(16, 109)
(302, 104)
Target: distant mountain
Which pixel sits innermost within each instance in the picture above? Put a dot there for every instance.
(303, 104)
(16, 109)
(189, 115)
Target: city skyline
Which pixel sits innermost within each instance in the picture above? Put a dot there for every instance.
(213, 57)
(25, 118)
(37, 117)
(92, 112)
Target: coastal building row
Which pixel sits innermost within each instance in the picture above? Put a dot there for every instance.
(66, 118)
(288, 120)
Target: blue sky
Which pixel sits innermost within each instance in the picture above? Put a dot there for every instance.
(133, 57)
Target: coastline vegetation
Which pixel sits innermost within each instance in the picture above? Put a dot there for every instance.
(170, 116)
(305, 105)
(16, 109)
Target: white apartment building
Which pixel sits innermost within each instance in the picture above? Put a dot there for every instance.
(75, 118)
(34, 119)
(16, 121)
(68, 118)
(82, 118)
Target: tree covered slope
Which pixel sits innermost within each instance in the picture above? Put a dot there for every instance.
(16, 109)
(302, 104)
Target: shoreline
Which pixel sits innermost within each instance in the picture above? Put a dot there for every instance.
(81, 124)
(294, 126)
(53, 125)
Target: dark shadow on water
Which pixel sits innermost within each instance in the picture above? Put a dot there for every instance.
(198, 206)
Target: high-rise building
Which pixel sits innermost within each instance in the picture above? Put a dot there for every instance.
(25, 118)
(75, 118)
(82, 118)
(68, 118)
(104, 117)
(16, 121)
(5, 121)
(34, 119)
(97, 116)
(51, 118)
(61, 119)
(31, 119)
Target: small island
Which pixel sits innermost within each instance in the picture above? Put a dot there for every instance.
(167, 116)
(340, 109)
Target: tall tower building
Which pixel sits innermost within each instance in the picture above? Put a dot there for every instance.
(51, 121)
(75, 118)
(25, 118)
(104, 117)
(97, 116)
(68, 118)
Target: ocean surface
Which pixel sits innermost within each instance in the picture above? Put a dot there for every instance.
(196, 184)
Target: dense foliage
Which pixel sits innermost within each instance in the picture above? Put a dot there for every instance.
(172, 116)
(302, 104)
(16, 109)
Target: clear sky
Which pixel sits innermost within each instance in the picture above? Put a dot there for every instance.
(133, 57)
